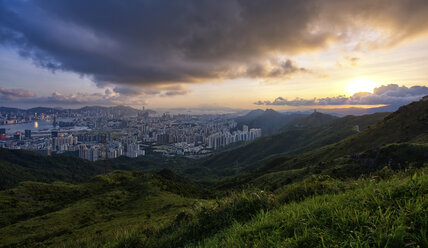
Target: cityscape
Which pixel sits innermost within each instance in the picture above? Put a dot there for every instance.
(213, 124)
(106, 133)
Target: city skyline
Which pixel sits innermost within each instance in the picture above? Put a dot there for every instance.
(208, 55)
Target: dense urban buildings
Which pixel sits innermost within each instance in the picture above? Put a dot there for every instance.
(97, 133)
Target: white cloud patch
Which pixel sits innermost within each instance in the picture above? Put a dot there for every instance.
(13, 94)
(391, 94)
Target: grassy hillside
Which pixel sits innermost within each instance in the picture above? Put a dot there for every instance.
(60, 214)
(301, 136)
(17, 166)
(269, 120)
(386, 213)
(316, 119)
(249, 116)
(384, 209)
(408, 124)
(130, 209)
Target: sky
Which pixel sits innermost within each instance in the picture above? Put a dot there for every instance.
(234, 54)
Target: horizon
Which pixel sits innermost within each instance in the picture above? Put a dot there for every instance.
(206, 123)
(346, 110)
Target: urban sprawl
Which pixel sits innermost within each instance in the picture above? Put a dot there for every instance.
(99, 133)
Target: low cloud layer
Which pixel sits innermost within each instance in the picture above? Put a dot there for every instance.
(391, 94)
(14, 97)
(79, 99)
(117, 96)
(144, 42)
(13, 94)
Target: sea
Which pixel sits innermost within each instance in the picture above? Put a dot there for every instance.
(39, 126)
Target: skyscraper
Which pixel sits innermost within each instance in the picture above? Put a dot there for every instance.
(17, 136)
(245, 128)
(28, 134)
(54, 133)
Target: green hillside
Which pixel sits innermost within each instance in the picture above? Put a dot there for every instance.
(17, 166)
(269, 120)
(386, 213)
(398, 141)
(103, 209)
(408, 124)
(316, 119)
(323, 185)
(313, 131)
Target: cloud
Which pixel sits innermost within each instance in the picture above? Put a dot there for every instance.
(144, 42)
(385, 94)
(117, 96)
(162, 90)
(12, 94)
(348, 61)
(108, 98)
(273, 68)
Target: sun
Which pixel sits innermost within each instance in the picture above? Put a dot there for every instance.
(360, 85)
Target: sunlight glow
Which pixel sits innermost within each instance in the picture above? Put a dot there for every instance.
(360, 85)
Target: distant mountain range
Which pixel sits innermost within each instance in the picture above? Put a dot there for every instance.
(270, 121)
(394, 139)
(126, 110)
(299, 135)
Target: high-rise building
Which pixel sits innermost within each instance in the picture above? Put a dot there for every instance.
(54, 133)
(162, 139)
(17, 136)
(28, 134)
(245, 128)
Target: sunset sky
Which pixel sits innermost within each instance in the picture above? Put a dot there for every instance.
(242, 54)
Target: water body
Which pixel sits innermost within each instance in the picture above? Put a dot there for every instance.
(39, 126)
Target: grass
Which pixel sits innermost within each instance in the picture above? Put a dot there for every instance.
(292, 140)
(390, 213)
(385, 209)
(102, 211)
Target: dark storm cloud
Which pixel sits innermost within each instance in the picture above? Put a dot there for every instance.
(146, 42)
(385, 94)
(12, 94)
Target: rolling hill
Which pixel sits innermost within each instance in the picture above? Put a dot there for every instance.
(307, 133)
(107, 207)
(17, 166)
(398, 141)
(408, 124)
(269, 120)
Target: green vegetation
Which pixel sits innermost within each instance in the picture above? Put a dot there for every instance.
(316, 184)
(17, 166)
(300, 136)
(269, 120)
(39, 214)
(386, 213)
